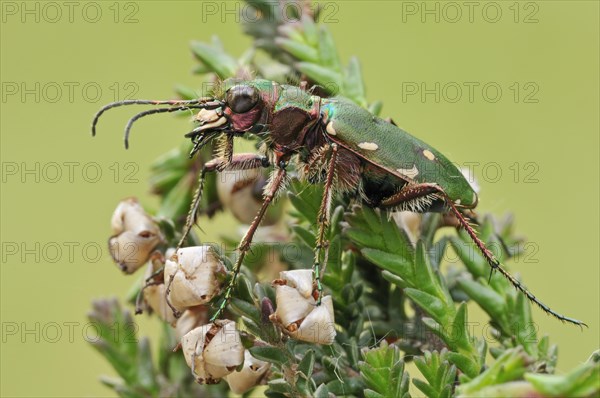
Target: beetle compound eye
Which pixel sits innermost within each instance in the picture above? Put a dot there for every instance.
(242, 98)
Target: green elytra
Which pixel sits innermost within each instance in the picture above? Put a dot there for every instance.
(392, 148)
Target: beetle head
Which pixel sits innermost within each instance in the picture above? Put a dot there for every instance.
(237, 108)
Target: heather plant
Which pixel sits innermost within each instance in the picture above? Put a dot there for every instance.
(390, 297)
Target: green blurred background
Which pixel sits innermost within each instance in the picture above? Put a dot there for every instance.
(549, 49)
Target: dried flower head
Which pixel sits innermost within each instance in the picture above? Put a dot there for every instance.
(190, 319)
(251, 374)
(194, 275)
(213, 350)
(297, 311)
(135, 236)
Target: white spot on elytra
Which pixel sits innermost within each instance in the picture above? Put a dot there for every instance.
(330, 130)
(368, 146)
(410, 173)
(428, 154)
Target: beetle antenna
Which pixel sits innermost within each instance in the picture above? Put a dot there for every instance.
(152, 112)
(142, 102)
(496, 266)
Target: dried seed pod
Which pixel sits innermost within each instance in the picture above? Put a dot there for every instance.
(136, 235)
(237, 193)
(189, 320)
(297, 312)
(291, 306)
(131, 250)
(318, 326)
(300, 279)
(241, 192)
(131, 216)
(250, 375)
(154, 295)
(213, 351)
(194, 275)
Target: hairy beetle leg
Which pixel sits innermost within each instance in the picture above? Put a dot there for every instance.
(276, 181)
(410, 192)
(241, 161)
(323, 222)
(416, 191)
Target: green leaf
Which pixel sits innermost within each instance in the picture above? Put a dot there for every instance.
(487, 298)
(270, 354)
(469, 257)
(280, 386)
(305, 367)
(215, 59)
(510, 366)
(118, 343)
(430, 304)
(383, 372)
(322, 391)
(354, 87)
(388, 261)
(245, 308)
(395, 279)
(327, 52)
(299, 50)
(583, 381)
(307, 237)
(467, 365)
(459, 332)
(328, 79)
(376, 107)
(438, 372)
(146, 374)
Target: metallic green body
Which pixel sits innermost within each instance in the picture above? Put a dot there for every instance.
(371, 138)
(389, 147)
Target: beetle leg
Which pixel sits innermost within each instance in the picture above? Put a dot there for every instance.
(323, 222)
(411, 193)
(496, 266)
(224, 148)
(242, 161)
(276, 181)
(415, 191)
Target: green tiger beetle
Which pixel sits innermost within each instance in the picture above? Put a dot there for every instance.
(331, 141)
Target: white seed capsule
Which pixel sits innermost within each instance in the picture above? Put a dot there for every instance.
(236, 190)
(196, 275)
(135, 235)
(297, 312)
(318, 326)
(241, 193)
(131, 250)
(300, 279)
(213, 351)
(250, 375)
(131, 216)
(190, 319)
(291, 305)
(154, 295)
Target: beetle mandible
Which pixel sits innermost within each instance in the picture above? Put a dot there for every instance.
(331, 141)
